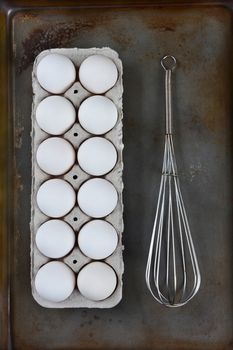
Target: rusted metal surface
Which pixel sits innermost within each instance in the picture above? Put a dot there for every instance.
(200, 37)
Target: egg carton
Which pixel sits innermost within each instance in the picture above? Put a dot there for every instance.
(76, 135)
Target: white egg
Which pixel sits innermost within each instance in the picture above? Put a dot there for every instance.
(55, 156)
(97, 239)
(97, 197)
(56, 73)
(55, 198)
(97, 156)
(97, 114)
(55, 115)
(55, 281)
(55, 238)
(97, 281)
(98, 74)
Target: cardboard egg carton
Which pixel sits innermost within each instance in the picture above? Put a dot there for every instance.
(76, 135)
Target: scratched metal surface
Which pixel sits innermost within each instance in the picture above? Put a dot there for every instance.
(201, 40)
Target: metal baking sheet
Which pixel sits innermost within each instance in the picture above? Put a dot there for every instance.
(200, 36)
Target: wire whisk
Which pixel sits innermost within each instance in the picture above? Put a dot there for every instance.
(172, 271)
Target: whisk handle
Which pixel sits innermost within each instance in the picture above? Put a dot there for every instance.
(168, 63)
